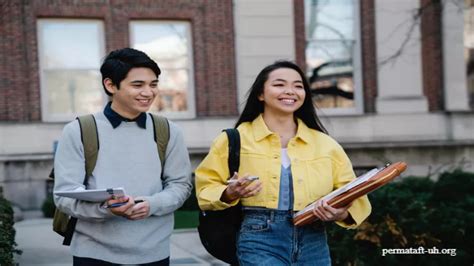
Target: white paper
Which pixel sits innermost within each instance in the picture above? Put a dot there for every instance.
(94, 195)
(354, 183)
(361, 179)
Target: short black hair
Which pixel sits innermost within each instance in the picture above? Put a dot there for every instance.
(254, 107)
(119, 62)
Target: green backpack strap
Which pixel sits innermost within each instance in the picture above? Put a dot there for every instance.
(90, 142)
(161, 129)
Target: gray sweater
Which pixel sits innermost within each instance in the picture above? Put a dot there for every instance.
(128, 158)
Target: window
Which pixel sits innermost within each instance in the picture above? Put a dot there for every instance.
(70, 53)
(469, 48)
(169, 44)
(333, 55)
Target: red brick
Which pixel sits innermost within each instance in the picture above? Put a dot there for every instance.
(369, 54)
(432, 53)
(300, 33)
(212, 34)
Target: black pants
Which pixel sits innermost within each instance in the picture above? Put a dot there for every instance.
(78, 261)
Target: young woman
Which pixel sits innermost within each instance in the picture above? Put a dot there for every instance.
(286, 146)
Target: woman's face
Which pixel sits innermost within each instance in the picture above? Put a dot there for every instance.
(283, 92)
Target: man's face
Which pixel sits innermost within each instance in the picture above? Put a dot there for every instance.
(136, 94)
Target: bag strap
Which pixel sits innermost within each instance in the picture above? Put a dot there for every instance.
(161, 129)
(233, 160)
(90, 142)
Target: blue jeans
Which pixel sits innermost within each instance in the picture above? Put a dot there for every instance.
(268, 237)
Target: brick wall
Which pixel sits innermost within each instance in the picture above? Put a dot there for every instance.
(300, 35)
(369, 54)
(19, 100)
(213, 47)
(432, 53)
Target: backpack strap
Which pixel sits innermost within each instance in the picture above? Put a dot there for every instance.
(90, 142)
(161, 129)
(233, 160)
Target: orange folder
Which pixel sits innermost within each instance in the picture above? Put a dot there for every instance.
(378, 179)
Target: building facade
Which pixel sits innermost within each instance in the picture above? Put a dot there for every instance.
(392, 79)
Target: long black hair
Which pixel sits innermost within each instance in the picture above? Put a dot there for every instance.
(254, 107)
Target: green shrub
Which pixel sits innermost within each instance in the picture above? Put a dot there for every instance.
(7, 233)
(414, 212)
(48, 207)
(186, 219)
(188, 215)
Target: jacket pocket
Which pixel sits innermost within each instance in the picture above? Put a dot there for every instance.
(320, 178)
(253, 164)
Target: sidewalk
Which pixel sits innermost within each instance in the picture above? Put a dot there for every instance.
(41, 246)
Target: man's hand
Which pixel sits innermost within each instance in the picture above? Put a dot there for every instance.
(326, 213)
(123, 210)
(241, 188)
(140, 211)
(133, 209)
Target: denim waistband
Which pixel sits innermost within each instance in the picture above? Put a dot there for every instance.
(274, 214)
(260, 210)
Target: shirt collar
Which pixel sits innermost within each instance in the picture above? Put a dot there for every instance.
(261, 130)
(115, 119)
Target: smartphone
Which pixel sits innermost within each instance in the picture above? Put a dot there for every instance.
(249, 178)
(115, 205)
(252, 178)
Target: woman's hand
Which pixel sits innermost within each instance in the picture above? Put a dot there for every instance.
(326, 213)
(241, 188)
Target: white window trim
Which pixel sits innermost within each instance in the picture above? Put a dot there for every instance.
(191, 100)
(358, 109)
(46, 116)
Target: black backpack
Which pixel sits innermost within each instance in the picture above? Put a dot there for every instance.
(218, 229)
(64, 224)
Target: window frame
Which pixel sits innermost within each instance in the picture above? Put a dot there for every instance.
(191, 100)
(44, 91)
(357, 73)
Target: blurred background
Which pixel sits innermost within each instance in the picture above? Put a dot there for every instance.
(393, 80)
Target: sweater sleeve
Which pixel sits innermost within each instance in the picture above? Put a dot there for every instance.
(211, 176)
(177, 183)
(69, 169)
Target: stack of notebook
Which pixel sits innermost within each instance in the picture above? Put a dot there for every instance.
(360, 186)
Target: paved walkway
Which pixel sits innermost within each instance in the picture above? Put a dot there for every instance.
(41, 246)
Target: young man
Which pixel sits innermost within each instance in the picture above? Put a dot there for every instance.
(134, 233)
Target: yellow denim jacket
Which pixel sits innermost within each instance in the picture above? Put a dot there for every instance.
(318, 165)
